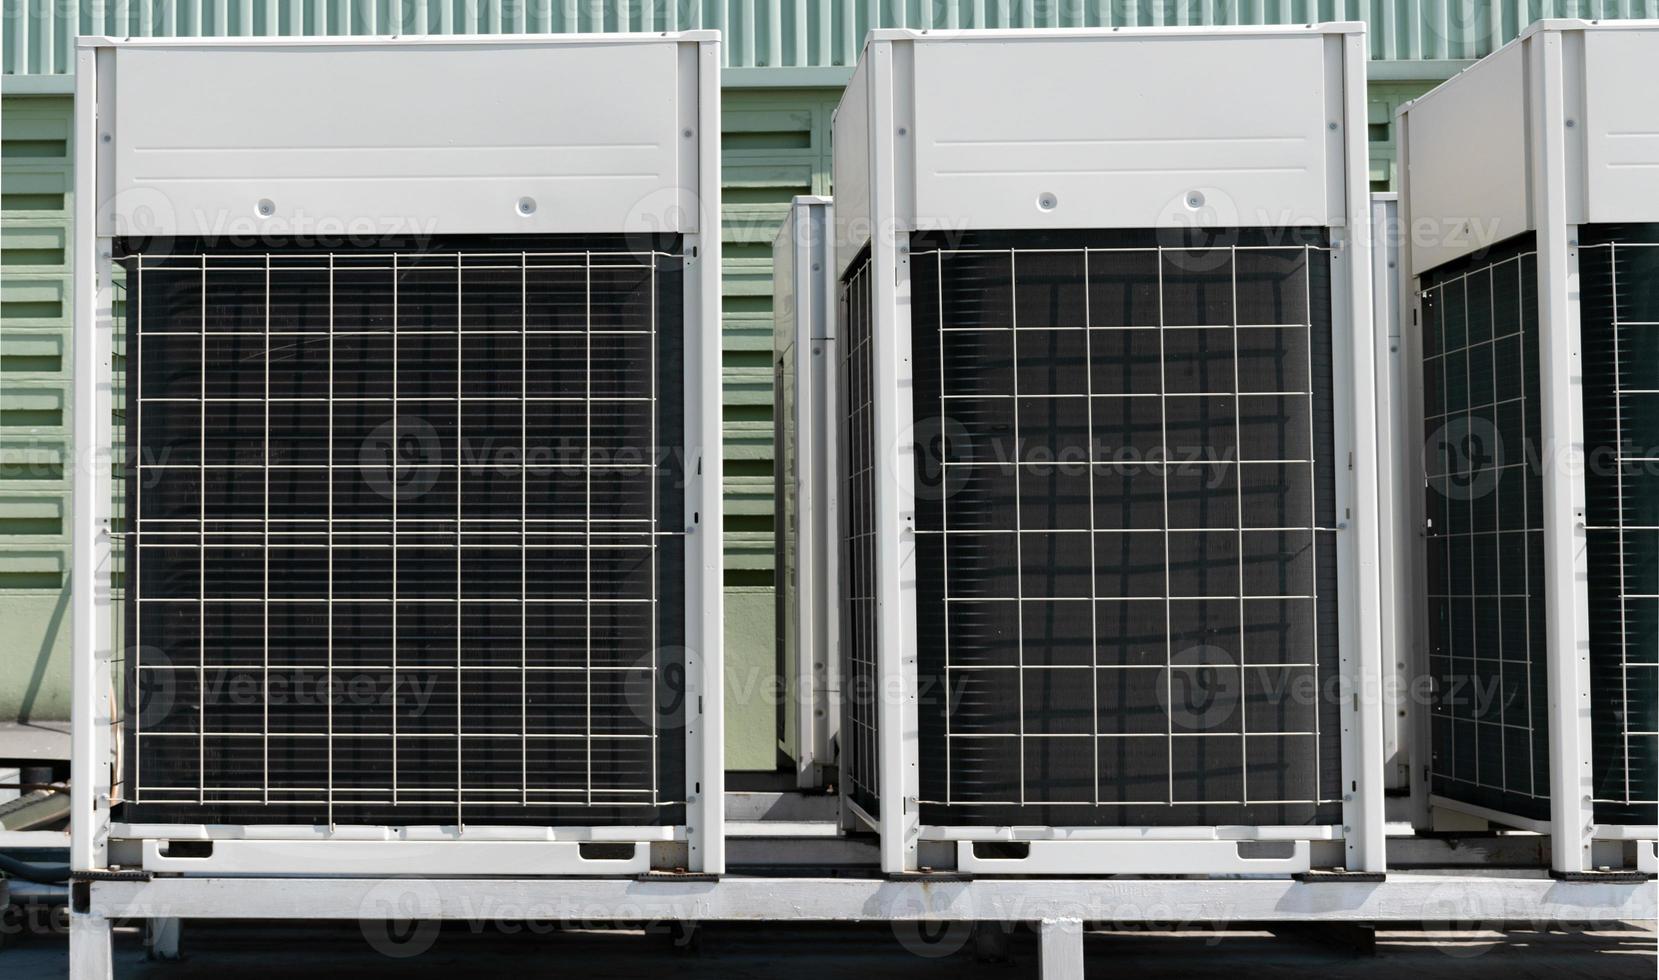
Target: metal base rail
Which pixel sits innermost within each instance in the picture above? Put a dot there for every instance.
(1059, 908)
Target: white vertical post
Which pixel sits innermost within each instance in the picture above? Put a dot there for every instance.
(895, 524)
(705, 690)
(1413, 637)
(91, 946)
(161, 937)
(1060, 949)
(1364, 833)
(90, 706)
(1566, 588)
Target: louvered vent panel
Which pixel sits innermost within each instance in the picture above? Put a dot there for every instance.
(409, 538)
(1126, 574)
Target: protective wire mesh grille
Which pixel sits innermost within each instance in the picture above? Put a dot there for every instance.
(1484, 492)
(1126, 566)
(408, 536)
(861, 686)
(1619, 324)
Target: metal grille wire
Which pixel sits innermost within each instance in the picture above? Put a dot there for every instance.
(861, 688)
(405, 534)
(1619, 323)
(1125, 529)
(1484, 492)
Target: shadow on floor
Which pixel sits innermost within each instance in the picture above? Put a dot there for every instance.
(327, 951)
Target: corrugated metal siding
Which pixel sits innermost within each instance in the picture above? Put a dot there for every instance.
(35, 452)
(774, 33)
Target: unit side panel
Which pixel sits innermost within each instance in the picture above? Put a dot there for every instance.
(852, 171)
(1468, 162)
(1484, 525)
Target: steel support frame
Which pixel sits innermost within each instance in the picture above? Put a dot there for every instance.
(1359, 353)
(94, 709)
(1059, 907)
(1405, 897)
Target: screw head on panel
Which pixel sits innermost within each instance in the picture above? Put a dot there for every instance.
(265, 207)
(1047, 201)
(526, 206)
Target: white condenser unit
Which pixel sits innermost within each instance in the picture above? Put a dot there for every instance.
(1109, 473)
(806, 550)
(1530, 199)
(406, 354)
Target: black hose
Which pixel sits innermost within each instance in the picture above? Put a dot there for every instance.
(40, 874)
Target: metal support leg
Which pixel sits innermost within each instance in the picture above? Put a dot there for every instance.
(1061, 949)
(161, 938)
(91, 947)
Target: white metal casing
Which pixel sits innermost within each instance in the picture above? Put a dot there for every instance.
(308, 140)
(804, 359)
(321, 130)
(959, 130)
(1106, 138)
(1475, 169)
(1552, 131)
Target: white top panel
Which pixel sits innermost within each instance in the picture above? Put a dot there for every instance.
(496, 135)
(1472, 144)
(1621, 132)
(1098, 128)
(1467, 162)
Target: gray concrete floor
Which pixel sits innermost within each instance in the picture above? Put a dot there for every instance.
(323, 952)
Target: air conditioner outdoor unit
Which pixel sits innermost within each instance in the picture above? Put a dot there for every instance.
(803, 371)
(1109, 465)
(1532, 279)
(409, 559)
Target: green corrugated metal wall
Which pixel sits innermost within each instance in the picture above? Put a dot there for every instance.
(35, 202)
(776, 33)
(776, 146)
